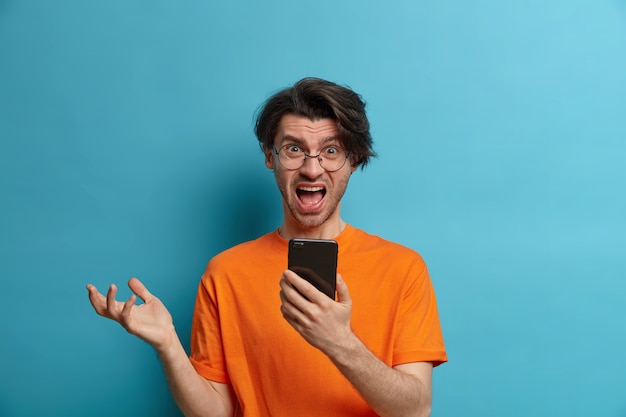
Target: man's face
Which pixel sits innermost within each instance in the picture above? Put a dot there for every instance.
(311, 195)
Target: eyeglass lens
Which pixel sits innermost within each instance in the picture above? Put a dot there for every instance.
(330, 158)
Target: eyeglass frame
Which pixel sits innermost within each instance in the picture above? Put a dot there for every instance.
(306, 155)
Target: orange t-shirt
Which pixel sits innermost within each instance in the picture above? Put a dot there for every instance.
(240, 337)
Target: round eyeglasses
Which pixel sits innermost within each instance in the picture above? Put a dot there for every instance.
(292, 157)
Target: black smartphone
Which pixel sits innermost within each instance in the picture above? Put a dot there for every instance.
(316, 261)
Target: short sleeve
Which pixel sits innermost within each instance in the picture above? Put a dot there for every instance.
(419, 337)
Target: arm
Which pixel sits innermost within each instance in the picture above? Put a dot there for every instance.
(152, 322)
(404, 390)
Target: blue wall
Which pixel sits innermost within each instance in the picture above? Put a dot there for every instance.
(126, 149)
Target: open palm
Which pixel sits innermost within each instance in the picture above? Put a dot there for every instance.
(150, 321)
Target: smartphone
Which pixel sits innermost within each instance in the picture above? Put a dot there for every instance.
(316, 261)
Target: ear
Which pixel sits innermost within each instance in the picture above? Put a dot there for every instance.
(269, 159)
(354, 164)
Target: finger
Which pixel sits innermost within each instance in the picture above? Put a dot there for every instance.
(343, 295)
(138, 288)
(97, 300)
(290, 299)
(306, 290)
(301, 301)
(292, 314)
(287, 292)
(128, 305)
(111, 303)
(286, 286)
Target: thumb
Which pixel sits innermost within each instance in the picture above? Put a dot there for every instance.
(343, 295)
(138, 288)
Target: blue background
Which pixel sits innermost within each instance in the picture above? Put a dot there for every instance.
(126, 149)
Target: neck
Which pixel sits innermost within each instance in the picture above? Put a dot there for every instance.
(328, 230)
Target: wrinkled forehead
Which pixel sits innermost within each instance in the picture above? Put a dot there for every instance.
(306, 132)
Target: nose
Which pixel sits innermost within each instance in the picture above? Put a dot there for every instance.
(311, 167)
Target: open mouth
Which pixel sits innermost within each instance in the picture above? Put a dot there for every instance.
(309, 196)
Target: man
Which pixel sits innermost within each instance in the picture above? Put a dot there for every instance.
(257, 351)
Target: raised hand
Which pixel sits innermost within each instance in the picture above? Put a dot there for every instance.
(150, 321)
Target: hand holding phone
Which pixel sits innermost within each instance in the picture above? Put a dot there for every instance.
(316, 261)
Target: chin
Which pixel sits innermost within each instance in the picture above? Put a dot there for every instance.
(311, 221)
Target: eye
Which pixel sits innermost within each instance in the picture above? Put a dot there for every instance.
(292, 149)
(331, 152)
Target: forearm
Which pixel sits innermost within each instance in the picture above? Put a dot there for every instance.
(194, 395)
(390, 392)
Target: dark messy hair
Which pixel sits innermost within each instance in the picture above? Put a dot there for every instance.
(316, 99)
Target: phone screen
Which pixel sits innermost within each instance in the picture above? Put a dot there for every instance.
(316, 261)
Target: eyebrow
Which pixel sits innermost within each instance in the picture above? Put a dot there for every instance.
(289, 138)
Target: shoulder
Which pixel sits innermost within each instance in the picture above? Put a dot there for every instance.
(393, 267)
(363, 242)
(248, 253)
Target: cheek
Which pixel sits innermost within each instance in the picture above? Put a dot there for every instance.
(281, 178)
(342, 182)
